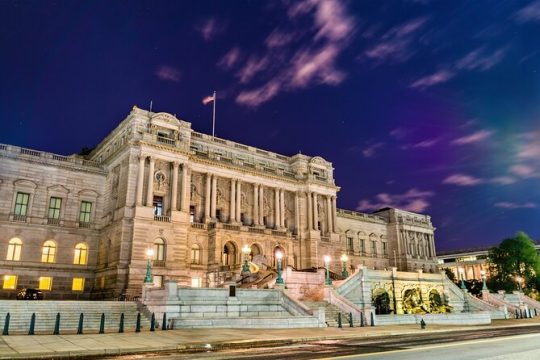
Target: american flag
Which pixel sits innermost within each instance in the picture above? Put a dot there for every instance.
(207, 100)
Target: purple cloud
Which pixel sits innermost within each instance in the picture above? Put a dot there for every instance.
(399, 133)
(371, 150)
(424, 144)
(529, 13)
(438, 77)
(513, 206)
(412, 200)
(230, 59)
(480, 60)
(168, 73)
(475, 137)
(462, 180)
(210, 28)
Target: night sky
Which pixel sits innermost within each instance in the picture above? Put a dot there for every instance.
(430, 106)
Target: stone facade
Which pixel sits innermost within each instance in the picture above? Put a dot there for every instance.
(196, 200)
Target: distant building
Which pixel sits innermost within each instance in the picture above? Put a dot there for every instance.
(80, 226)
(472, 262)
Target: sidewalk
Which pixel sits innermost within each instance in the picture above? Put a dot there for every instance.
(49, 346)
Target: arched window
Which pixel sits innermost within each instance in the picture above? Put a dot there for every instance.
(81, 254)
(48, 253)
(14, 249)
(195, 254)
(159, 250)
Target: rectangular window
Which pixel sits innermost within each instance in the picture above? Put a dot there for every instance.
(78, 284)
(85, 212)
(158, 205)
(362, 246)
(10, 282)
(55, 204)
(45, 283)
(350, 244)
(196, 282)
(21, 204)
(384, 248)
(192, 213)
(157, 280)
(374, 245)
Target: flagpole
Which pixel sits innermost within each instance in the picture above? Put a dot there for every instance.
(214, 116)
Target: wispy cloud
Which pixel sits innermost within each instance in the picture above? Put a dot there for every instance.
(480, 59)
(462, 180)
(503, 180)
(438, 77)
(513, 206)
(230, 59)
(168, 73)
(299, 64)
(523, 170)
(475, 137)
(424, 144)
(396, 44)
(412, 200)
(371, 150)
(210, 28)
(399, 133)
(529, 13)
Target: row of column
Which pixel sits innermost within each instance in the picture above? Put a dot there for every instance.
(313, 211)
(174, 184)
(427, 243)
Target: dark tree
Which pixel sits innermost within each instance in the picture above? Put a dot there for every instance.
(450, 274)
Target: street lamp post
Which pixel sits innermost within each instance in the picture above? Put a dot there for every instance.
(279, 256)
(327, 259)
(344, 258)
(246, 250)
(462, 275)
(519, 280)
(483, 275)
(148, 277)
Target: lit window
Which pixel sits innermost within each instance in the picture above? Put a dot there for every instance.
(81, 254)
(14, 249)
(102, 282)
(384, 248)
(157, 280)
(10, 282)
(195, 254)
(85, 212)
(78, 284)
(196, 282)
(158, 205)
(45, 283)
(21, 204)
(48, 253)
(55, 204)
(159, 249)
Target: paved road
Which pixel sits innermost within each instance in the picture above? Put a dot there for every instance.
(504, 343)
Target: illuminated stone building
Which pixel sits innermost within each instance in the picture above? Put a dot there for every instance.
(80, 226)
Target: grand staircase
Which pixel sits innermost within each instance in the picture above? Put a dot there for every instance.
(331, 312)
(46, 310)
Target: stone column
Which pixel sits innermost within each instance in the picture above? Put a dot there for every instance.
(432, 243)
(207, 197)
(329, 216)
(309, 211)
(255, 204)
(261, 205)
(213, 197)
(276, 207)
(296, 213)
(150, 190)
(334, 215)
(315, 212)
(238, 200)
(174, 187)
(140, 180)
(185, 193)
(282, 208)
(232, 210)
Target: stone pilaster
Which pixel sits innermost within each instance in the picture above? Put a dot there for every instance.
(140, 180)
(150, 190)
(174, 187)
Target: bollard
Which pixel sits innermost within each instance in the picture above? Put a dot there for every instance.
(339, 325)
(350, 320)
(80, 327)
(57, 325)
(153, 322)
(361, 319)
(102, 324)
(530, 314)
(372, 319)
(138, 324)
(121, 326)
(535, 312)
(521, 313)
(422, 324)
(6, 325)
(517, 314)
(164, 323)
(32, 324)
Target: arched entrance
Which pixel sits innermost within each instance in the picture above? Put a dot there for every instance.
(256, 256)
(229, 254)
(381, 302)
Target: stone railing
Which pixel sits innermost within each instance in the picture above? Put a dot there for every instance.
(361, 216)
(201, 226)
(45, 157)
(235, 227)
(162, 218)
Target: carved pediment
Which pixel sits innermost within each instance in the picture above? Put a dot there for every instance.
(89, 193)
(165, 120)
(58, 189)
(24, 183)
